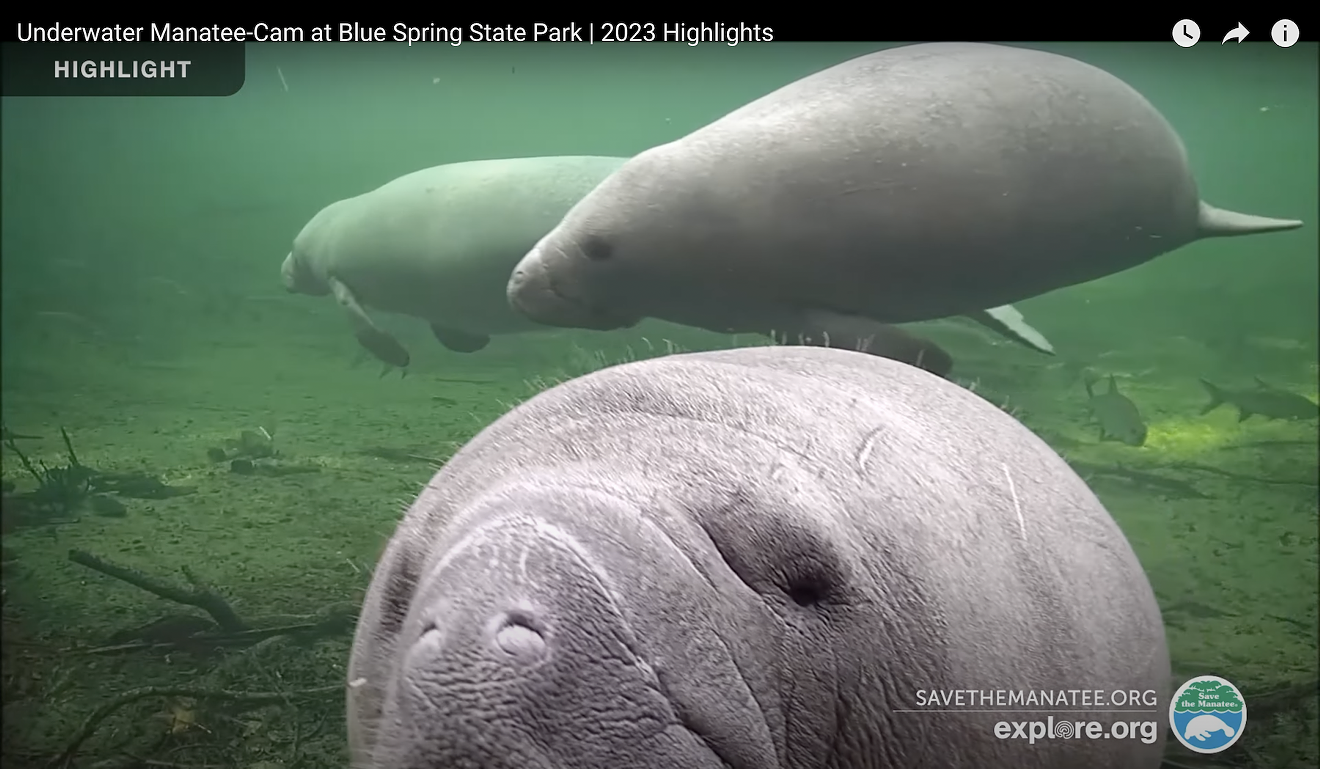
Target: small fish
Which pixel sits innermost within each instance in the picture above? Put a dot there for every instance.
(1266, 400)
(1118, 417)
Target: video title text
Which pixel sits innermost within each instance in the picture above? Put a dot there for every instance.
(352, 32)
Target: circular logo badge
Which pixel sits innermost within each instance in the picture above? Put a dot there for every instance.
(1207, 714)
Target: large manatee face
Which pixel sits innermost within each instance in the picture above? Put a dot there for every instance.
(536, 641)
(555, 627)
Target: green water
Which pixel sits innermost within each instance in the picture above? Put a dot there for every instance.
(143, 313)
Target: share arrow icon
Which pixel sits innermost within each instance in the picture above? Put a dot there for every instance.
(1238, 33)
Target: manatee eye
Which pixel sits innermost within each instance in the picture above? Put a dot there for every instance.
(596, 248)
(807, 591)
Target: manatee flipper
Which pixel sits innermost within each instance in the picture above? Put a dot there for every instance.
(825, 328)
(377, 341)
(1008, 322)
(459, 341)
(1214, 222)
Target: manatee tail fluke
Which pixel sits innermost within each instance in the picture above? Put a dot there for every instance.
(1221, 223)
(1216, 397)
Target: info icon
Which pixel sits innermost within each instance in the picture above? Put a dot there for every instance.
(1284, 33)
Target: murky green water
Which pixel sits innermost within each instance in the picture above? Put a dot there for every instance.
(142, 312)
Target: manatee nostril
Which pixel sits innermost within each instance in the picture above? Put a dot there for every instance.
(519, 636)
(806, 592)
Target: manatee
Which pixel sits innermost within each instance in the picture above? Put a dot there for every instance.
(758, 558)
(438, 244)
(913, 183)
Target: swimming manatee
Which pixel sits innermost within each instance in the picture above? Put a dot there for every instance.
(761, 558)
(913, 183)
(439, 244)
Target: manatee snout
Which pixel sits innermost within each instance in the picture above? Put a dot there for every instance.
(521, 657)
(288, 274)
(298, 279)
(543, 288)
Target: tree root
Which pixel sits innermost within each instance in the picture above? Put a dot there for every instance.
(231, 631)
(93, 721)
(200, 596)
(332, 619)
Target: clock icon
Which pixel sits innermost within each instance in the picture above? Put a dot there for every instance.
(1186, 33)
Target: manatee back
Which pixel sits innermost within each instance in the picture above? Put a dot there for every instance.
(974, 550)
(939, 178)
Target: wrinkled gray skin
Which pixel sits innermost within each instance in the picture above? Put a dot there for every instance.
(747, 559)
(918, 182)
(439, 244)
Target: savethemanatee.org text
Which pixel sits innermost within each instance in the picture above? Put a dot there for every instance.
(1095, 699)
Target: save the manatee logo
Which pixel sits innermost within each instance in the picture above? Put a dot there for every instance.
(1207, 714)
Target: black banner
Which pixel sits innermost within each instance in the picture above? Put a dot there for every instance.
(823, 24)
